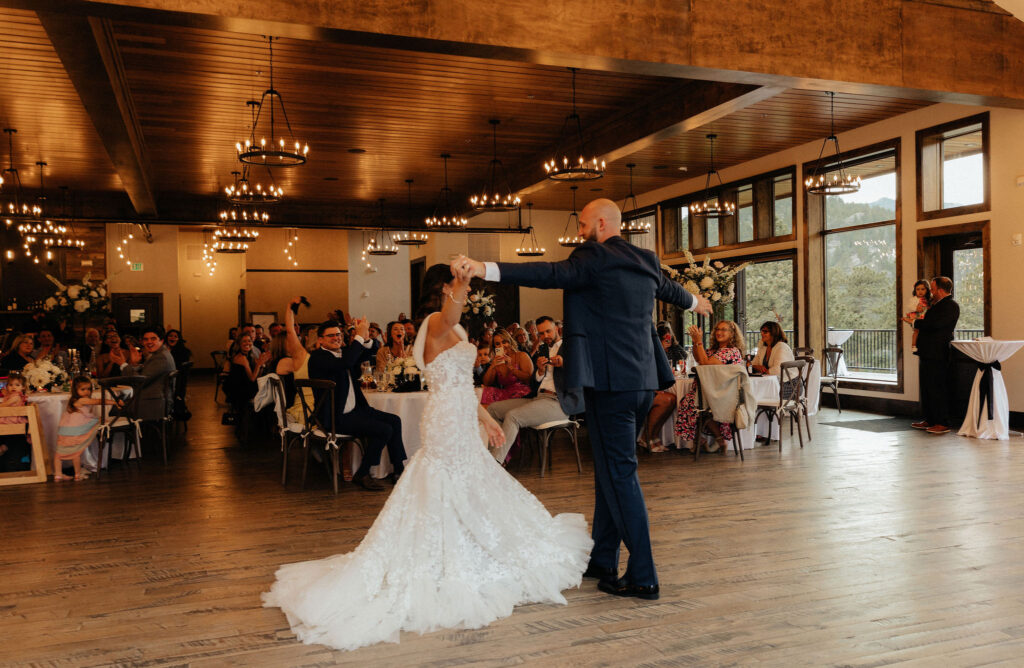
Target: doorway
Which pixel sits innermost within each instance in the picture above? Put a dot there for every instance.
(961, 252)
(417, 269)
(135, 310)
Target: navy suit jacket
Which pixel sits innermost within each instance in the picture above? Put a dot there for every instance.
(324, 365)
(936, 329)
(609, 340)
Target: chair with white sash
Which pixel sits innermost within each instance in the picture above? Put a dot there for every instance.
(289, 430)
(121, 418)
(315, 429)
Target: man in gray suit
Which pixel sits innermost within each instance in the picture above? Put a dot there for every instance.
(155, 362)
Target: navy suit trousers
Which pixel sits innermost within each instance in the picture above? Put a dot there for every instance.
(614, 420)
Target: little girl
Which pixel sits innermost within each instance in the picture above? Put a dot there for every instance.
(923, 295)
(13, 397)
(77, 429)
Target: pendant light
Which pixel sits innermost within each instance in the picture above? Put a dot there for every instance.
(381, 242)
(17, 208)
(635, 225)
(529, 247)
(444, 213)
(570, 161)
(287, 151)
(497, 194)
(831, 179)
(705, 208)
(410, 237)
(572, 239)
(69, 241)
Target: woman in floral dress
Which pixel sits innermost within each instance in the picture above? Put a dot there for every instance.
(726, 348)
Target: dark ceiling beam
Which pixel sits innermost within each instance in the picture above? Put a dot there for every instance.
(88, 51)
(678, 109)
(916, 49)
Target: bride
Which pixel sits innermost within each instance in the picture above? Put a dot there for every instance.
(459, 542)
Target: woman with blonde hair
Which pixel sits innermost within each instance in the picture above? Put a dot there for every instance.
(726, 348)
(508, 376)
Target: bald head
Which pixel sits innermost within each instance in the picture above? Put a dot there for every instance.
(600, 220)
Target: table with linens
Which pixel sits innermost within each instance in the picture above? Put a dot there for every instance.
(837, 337)
(50, 406)
(988, 412)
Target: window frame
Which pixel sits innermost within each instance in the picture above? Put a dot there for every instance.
(792, 255)
(928, 134)
(687, 199)
(848, 157)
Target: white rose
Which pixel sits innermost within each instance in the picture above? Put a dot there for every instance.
(707, 282)
(412, 372)
(476, 310)
(74, 291)
(691, 287)
(474, 298)
(82, 305)
(716, 296)
(487, 310)
(92, 293)
(102, 291)
(410, 363)
(717, 264)
(63, 301)
(50, 303)
(396, 370)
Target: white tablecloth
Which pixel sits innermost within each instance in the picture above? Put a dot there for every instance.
(765, 388)
(837, 337)
(51, 405)
(986, 352)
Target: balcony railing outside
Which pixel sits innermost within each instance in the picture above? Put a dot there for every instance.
(872, 350)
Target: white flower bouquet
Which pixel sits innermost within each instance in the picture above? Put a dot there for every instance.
(44, 376)
(478, 311)
(81, 299)
(714, 281)
(406, 374)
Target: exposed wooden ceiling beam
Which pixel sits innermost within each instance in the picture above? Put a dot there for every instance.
(680, 108)
(915, 49)
(88, 51)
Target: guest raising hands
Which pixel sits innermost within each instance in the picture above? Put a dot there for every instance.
(726, 348)
(394, 345)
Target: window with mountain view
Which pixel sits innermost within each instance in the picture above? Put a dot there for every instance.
(861, 304)
(953, 168)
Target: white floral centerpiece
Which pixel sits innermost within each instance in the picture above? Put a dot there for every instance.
(43, 375)
(715, 281)
(78, 299)
(405, 372)
(478, 311)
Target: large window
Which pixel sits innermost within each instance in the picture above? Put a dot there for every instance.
(860, 265)
(765, 292)
(764, 214)
(952, 161)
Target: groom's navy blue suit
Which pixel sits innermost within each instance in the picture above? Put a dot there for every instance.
(613, 362)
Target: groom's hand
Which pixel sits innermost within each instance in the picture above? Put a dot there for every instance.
(703, 306)
(472, 267)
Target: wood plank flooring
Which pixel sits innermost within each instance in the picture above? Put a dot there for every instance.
(862, 549)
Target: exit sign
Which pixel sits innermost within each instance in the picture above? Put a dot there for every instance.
(136, 266)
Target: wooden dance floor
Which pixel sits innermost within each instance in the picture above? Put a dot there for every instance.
(865, 548)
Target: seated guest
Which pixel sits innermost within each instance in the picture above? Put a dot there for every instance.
(299, 356)
(241, 383)
(113, 354)
(514, 414)
(46, 345)
(14, 448)
(394, 346)
(523, 340)
(260, 339)
(89, 351)
(483, 360)
(508, 376)
(153, 362)
(352, 414)
(283, 365)
(176, 345)
(410, 331)
(726, 348)
(664, 402)
(376, 334)
(18, 355)
(275, 329)
(232, 338)
(310, 341)
(486, 337)
(773, 351)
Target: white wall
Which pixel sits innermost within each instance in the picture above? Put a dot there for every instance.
(380, 292)
(159, 267)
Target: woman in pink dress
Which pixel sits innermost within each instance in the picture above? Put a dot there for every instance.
(726, 348)
(77, 429)
(508, 376)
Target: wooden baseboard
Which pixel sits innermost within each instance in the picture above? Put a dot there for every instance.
(880, 405)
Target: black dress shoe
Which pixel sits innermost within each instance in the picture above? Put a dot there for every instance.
(367, 483)
(393, 477)
(599, 573)
(622, 588)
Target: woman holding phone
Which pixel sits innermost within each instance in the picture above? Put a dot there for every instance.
(508, 376)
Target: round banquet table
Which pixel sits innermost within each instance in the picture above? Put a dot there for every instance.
(988, 413)
(766, 391)
(837, 337)
(50, 406)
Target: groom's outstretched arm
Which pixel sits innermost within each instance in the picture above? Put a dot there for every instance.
(571, 273)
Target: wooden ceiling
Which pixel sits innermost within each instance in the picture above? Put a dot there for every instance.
(188, 88)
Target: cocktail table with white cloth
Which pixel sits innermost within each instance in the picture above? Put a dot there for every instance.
(51, 405)
(837, 337)
(988, 413)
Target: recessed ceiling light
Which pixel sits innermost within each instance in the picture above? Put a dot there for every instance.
(661, 167)
(330, 178)
(357, 150)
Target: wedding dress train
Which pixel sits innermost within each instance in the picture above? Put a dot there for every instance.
(458, 544)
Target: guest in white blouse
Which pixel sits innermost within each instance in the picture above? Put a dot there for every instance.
(773, 351)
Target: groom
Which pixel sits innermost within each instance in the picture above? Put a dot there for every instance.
(609, 291)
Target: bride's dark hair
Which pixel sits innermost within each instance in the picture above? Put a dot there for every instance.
(430, 290)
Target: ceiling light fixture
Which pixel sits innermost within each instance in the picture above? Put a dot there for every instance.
(242, 192)
(635, 225)
(17, 208)
(287, 152)
(69, 241)
(831, 179)
(497, 194)
(577, 167)
(291, 246)
(712, 206)
(574, 239)
(531, 249)
(444, 213)
(409, 237)
(381, 242)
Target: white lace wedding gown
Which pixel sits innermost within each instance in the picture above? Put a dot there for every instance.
(458, 544)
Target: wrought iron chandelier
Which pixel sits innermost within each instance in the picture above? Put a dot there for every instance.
(69, 241)
(573, 165)
(18, 208)
(497, 193)
(708, 206)
(571, 240)
(826, 180)
(287, 151)
(410, 237)
(243, 192)
(529, 247)
(636, 225)
(381, 242)
(445, 214)
(40, 233)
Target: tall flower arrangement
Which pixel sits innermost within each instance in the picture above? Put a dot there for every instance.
(478, 311)
(83, 299)
(715, 281)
